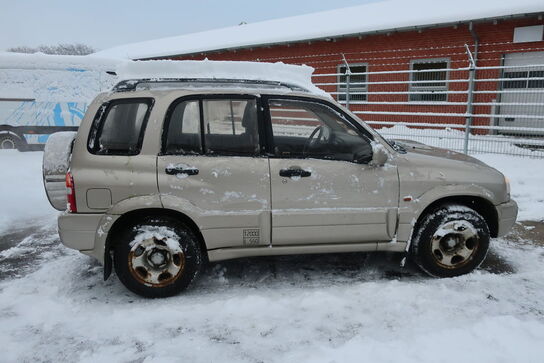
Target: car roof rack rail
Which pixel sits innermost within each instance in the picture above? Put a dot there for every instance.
(132, 84)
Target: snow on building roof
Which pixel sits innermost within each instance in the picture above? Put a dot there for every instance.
(372, 17)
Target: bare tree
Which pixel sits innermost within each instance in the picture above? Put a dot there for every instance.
(60, 49)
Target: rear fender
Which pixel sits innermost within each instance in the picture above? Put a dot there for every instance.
(102, 241)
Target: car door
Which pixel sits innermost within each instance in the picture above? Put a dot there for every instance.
(211, 168)
(323, 188)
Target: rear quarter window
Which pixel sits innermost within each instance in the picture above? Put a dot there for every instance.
(119, 126)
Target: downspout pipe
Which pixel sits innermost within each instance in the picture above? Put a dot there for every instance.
(472, 76)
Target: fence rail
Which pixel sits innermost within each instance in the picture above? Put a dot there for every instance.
(491, 105)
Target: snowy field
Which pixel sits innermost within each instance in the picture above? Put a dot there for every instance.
(54, 305)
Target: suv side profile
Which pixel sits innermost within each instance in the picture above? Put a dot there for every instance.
(162, 179)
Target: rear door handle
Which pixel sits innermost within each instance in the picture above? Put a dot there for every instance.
(175, 170)
(294, 172)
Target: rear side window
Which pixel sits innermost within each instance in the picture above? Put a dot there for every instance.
(119, 127)
(213, 127)
(230, 127)
(183, 135)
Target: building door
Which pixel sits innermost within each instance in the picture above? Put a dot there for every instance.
(522, 93)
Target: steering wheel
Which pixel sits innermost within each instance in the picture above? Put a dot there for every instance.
(310, 141)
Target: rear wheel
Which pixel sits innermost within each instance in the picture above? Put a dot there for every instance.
(450, 241)
(157, 257)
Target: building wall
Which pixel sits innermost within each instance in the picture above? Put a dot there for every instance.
(393, 52)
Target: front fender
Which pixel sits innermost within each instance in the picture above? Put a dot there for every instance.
(411, 208)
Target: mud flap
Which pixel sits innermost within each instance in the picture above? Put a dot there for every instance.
(108, 263)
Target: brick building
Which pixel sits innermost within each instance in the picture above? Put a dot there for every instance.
(410, 61)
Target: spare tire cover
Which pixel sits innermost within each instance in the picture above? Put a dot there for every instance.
(56, 162)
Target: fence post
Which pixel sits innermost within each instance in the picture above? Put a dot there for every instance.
(470, 98)
(348, 76)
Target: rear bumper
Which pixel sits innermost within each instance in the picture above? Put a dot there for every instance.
(78, 231)
(507, 214)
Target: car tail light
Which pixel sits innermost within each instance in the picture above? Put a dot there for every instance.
(71, 193)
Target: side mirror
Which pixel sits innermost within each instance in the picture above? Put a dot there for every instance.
(379, 155)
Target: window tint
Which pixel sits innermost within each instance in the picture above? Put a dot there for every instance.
(231, 127)
(183, 135)
(119, 131)
(434, 72)
(304, 129)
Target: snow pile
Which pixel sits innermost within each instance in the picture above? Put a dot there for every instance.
(526, 180)
(376, 16)
(453, 139)
(300, 76)
(22, 195)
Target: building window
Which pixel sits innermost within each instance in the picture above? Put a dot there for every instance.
(428, 81)
(523, 79)
(357, 83)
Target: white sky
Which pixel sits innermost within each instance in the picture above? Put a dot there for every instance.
(103, 24)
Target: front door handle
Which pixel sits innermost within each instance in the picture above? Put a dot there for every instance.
(178, 169)
(288, 173)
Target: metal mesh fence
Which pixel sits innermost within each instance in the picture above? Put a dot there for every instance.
(486, 100)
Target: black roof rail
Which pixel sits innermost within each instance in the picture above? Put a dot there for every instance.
(132, 84)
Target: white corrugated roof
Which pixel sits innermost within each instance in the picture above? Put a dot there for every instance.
(372, 17)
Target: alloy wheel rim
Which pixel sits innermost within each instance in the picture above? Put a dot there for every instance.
(455, 244)
(154, 263)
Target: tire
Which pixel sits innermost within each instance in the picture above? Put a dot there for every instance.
(157, 256)
(451, 240)
(9, 141)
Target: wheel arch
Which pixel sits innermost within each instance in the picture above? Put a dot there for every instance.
(134, 215)
(480, 204)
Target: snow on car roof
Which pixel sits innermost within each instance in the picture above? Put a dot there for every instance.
(167, 70)
(372, 17)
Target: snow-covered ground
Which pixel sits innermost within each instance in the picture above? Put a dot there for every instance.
(23, 199)
(55, 307)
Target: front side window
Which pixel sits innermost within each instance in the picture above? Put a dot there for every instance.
(304, 129)
(119, 127)
(213, 127)
(428, 81)
(357, 83)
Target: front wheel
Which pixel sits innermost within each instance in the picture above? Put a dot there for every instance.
(450, 241)
(9, 141)
(157, 257)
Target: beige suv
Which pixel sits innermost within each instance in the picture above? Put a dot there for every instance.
(165, 175)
